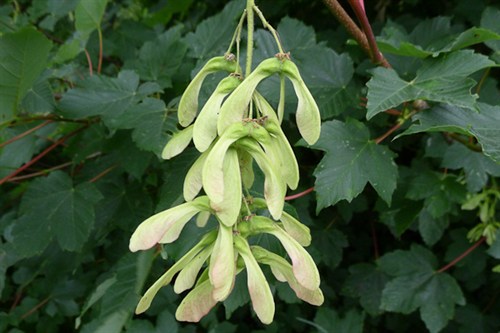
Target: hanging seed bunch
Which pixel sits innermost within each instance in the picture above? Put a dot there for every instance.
(235, 128)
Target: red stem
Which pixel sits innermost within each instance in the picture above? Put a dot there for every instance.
(89, 61)
(301, 194)
(42, 154)
(376, 55)
(35, 308)
(102, 174)
(22, 135)
(463, 255)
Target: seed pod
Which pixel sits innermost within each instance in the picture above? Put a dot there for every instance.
(246, 167)
(187, 276)
(165, 279)
(282, 270)
(228, 210)
(165, 226)
(274, 185)
(304, 268)
(285, 157)
(222, 267)
(234, 108)
(297, 230)
(205, 126)
(193, 180)
(177, 143)
(213, 171)
(197, 303)
(307, 115)
(188, 105)
(258, 288)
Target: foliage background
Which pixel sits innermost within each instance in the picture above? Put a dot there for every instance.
(80, 166)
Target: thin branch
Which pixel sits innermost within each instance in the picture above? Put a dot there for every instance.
(102, 174)
(42, 154)
(465, 142)
(22, 135)
(35, 308)
(47, 171)
(301, 194)
(377, 56)
(89, 61)
(99, 64)
(351, 26)
(463, 255)
(376, 252)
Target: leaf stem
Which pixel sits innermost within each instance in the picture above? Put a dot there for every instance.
(99, 64)
(28, 132)
(89, 61)
(250, 27)
(270, 28)
(35, 308)
(237, 32)
(300, 194)
(465, 142)
(463, 255)
(102, 174)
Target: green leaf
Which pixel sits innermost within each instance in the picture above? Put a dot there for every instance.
(431, 229)
(328, 246)
(53, 208)
(351, 161)
(416, 285)
(489, 20)
(160, 59)
(88, 15)
(150, 122)
(431, 37)
(494, 249)
(448, 118)
(329, 320)
(212, 36)
(443, 79)
(441, 193)
(476, 166)
(366, 281)
(327, 75)
(23, 56)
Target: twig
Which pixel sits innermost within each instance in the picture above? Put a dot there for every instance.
(463, 255)
(465, 142)
(301, 194)
(102, 174)
(22, 135)
(42, 154)
(376, 55)
(344, 18)
(376, 252)
(35, 308)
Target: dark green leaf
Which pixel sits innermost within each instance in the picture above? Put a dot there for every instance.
(441, 193)
(88, 15)
(52, 206)
(416, 285)
(328, 246)
(351, 161)
(23, 56)
(329, 320)
(431, 229)
(442, 79)
(476, 166)
(327, 75)
(489, 20)
(366, 281)
(213, 35)
(431, 37)
(447, 118)
(160, 59)
(494, 249)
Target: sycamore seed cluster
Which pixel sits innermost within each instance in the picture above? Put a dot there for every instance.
(235, 129)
